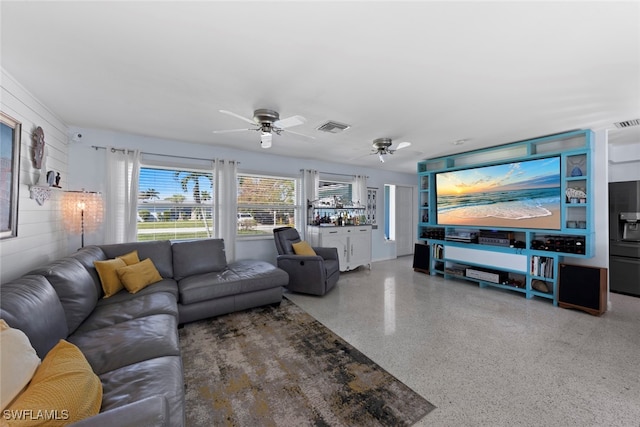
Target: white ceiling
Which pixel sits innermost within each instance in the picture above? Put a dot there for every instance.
(426, 72)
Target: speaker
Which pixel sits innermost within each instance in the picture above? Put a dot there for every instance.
(421, 258)
(583, 288)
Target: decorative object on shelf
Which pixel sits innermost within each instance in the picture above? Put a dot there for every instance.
(576, 164)
(82, 211)
(539, 286)
(40, 194)
(40, 159)
(10, 129)
(53, 179)
(575, 194)
(38, 147)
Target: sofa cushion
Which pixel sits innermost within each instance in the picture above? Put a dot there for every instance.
(197, 257)
(158, 250)
(256, 275)
(144, 305)
(75, 288)
(86, 256)
(129, 342)
(165, 285)
(63, 384)
(152, 377)
(240, 277)
(31, 304)
(151, 411)
(18, 362)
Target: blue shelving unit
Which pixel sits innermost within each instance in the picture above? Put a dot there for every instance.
(514, 266)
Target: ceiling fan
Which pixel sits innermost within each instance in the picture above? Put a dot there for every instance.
(381, 147)
(267, 122)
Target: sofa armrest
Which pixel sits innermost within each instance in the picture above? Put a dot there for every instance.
(327, 253)
(150, 412)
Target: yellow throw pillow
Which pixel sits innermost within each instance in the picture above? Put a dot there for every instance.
(138, 276)
(107, 270)
(63, 390)
(303, 248)
(130, 258)
(18, 362)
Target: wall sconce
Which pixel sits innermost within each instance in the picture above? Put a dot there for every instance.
(82, 211)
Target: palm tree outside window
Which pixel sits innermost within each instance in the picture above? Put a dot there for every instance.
(175, 204)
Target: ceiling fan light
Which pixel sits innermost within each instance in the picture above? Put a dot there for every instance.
(381, 157)
(265, 139)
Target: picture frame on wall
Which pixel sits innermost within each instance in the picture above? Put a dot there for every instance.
(10, 131)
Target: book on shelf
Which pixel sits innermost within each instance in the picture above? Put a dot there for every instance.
(542, 266)
(438, 251)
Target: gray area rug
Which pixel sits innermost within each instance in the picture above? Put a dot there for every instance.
(278, 366)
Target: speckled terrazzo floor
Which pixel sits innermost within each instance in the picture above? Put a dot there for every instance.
(487, 357)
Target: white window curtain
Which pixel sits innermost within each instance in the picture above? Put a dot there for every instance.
(226, 205)
(121, 195)
(309, 193)
(359, 193)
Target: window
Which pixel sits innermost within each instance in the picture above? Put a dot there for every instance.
(266, 202)
(338, 191)
(174, 204)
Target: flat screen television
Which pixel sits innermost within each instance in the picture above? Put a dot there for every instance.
(524, 194)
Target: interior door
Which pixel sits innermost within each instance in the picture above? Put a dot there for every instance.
(404, 220)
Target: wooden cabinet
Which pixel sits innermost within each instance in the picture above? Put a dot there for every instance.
(353, 243)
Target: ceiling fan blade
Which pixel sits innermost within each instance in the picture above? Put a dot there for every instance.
(231, 130)
(290, 122)
(300, 134)
(402, 145)
(238, 116)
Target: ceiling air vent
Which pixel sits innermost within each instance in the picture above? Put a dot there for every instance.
(332, 127)
(628, 123)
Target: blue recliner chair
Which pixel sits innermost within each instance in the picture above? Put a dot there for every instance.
(315, 275)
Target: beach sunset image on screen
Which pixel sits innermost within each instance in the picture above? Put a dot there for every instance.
(522, 194)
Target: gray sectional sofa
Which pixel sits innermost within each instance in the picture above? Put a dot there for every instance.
(131, 340)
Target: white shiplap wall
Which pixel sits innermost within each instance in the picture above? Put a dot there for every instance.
(41, 235)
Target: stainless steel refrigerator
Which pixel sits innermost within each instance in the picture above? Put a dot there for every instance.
(624, 237)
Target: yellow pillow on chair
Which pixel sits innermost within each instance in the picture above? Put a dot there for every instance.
(303, 248)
